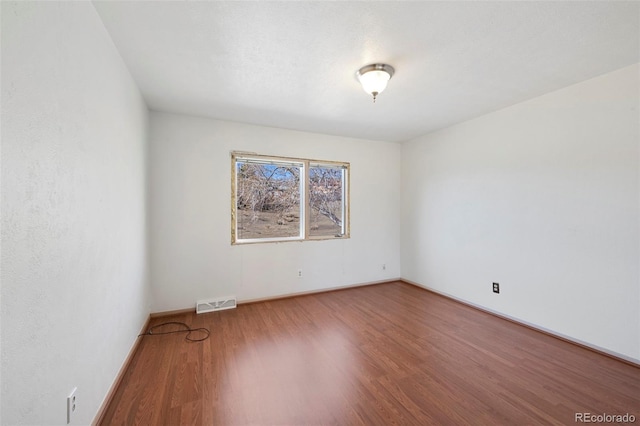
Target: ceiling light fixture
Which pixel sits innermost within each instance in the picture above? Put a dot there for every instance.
(374, 78)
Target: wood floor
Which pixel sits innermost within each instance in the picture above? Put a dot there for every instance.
(388, 354)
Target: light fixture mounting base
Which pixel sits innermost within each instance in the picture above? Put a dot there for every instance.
(377, 67)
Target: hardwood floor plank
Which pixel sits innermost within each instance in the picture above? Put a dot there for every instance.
(388, 354)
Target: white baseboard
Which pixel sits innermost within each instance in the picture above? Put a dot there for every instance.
(276, 297)
(610, 353)
(320, 290)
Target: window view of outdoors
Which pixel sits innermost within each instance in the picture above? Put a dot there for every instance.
(325, 201)
(267, 200)
(279, 198)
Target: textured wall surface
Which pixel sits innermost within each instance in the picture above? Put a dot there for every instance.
(74, 278)
(190, 219)
(542, 197)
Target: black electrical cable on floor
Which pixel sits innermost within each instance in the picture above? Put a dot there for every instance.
(186, 329)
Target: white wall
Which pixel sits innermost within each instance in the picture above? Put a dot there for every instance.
(74, 276)
(190, 204)
(542, 197)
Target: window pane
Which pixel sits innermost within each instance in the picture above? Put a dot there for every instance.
(326, 192)
(267, 200)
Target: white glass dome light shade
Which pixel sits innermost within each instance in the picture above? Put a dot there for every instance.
(374, 81)
(374, 78)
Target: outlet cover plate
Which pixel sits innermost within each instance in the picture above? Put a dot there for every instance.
(71, 405)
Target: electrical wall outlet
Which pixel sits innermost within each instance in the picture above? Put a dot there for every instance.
(299, 273)
(71, 405)
(384, 266)
(496, 287)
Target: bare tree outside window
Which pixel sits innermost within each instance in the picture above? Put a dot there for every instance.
(325, 200)
(283, 199)
(267, 201)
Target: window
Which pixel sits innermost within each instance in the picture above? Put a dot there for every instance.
(288, 199)
(326, 196)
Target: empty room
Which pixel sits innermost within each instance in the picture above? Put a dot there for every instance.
(318, 212)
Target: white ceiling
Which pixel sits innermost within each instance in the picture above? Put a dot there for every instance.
(292, 64)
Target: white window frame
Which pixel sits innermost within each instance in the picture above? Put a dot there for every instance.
(305, 165)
